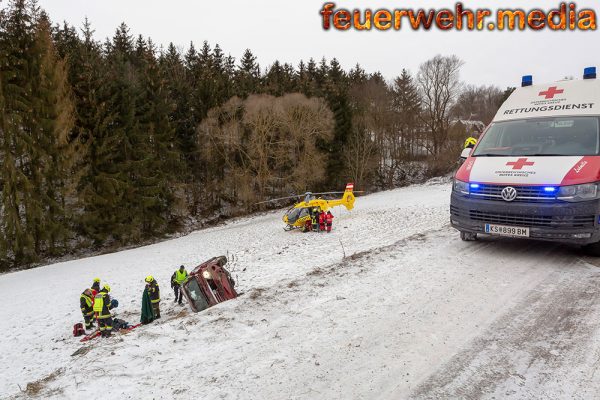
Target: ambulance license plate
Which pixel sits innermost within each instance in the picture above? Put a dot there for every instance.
(504, 230)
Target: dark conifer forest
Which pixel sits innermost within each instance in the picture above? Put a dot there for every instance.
(114, 143)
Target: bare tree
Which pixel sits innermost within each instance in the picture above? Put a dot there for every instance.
(479, 103)
(440, 86)
(265, 146)
(370, 147)
(360, 155)
(305, 122)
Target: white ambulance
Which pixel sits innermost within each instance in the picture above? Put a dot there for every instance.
(535, 172)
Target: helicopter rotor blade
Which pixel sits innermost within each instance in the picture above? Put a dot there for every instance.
(354, 191)
(296, 196)
(281, 198)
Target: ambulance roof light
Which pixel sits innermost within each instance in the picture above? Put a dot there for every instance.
(527, 80)
(589, 73)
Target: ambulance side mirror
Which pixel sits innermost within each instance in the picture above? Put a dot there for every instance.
(466, 153)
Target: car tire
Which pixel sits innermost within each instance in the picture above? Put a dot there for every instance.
(467, 236)
(592, 249)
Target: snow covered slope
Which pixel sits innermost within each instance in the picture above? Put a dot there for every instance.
(411, 312)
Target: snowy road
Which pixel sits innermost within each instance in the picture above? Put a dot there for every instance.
(412, 312)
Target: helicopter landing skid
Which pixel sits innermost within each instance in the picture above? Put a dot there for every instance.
(288, 228)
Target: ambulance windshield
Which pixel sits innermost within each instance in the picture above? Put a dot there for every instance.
(572, 136)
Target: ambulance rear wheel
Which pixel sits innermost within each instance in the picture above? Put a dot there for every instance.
(592, 249)
(467, 236)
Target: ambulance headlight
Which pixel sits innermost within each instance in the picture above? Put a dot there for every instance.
(589, 191)
(461, 187)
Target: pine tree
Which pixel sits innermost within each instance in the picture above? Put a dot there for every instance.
(336, 93)
(178, 77)
(407, 105)
(109, 194)
(357, 75)
(159, 160)
(306, 78)
(17, 33)
(274, 81)
(52, 123)
(247, 77)
(36, 119)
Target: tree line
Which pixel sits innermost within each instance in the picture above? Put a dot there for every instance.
(114, 143)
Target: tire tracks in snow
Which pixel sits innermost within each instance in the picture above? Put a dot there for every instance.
(542, 347)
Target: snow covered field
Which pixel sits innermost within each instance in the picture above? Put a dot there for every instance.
(411, 312)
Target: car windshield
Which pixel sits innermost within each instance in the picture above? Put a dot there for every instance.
(197, 295)
(572, 136)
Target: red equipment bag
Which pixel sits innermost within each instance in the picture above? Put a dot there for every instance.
(78, 329)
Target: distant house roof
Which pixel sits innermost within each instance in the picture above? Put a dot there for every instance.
(478, 126)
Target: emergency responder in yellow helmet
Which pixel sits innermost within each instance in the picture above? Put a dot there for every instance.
(154, 293)
(86, 302)
(470, 142)
(102, 306)
(96, 285)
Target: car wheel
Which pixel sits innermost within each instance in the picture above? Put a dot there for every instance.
(592, 249)
(468, 236)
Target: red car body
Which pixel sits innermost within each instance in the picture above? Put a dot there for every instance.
(209, 284)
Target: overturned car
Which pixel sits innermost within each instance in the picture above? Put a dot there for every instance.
(209, 284)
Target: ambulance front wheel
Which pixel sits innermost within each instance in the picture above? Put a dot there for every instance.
(592, 249)
(467, 236)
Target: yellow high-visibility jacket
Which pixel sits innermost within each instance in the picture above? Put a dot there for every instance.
(102, 305)
(180, 277)
(86, 302)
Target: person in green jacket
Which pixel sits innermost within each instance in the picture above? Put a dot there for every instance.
(147, 313)
(154, 293)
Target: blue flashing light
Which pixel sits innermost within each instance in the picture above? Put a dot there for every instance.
(550, 189)
(589, 73)
(527, 80)
(474, 186)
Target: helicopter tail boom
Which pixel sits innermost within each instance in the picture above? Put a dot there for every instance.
(347, 199)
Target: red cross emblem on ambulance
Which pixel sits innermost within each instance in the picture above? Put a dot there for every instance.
(551, 92)
(520, 163)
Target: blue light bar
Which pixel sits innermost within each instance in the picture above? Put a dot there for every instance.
(527, 80)
(550, 189)
(589, 73)
(474, 185)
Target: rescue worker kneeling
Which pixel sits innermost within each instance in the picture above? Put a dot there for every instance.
(102, 306)
(154, 293)
(86, 301)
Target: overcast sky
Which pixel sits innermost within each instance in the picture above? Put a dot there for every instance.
(289, 31)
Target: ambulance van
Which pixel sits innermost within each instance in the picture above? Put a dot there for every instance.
(535, 172)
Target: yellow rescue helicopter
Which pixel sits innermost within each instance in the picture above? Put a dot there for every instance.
(298, 215)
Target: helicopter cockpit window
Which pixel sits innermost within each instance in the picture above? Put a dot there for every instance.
(297, 213)
(293, 215)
